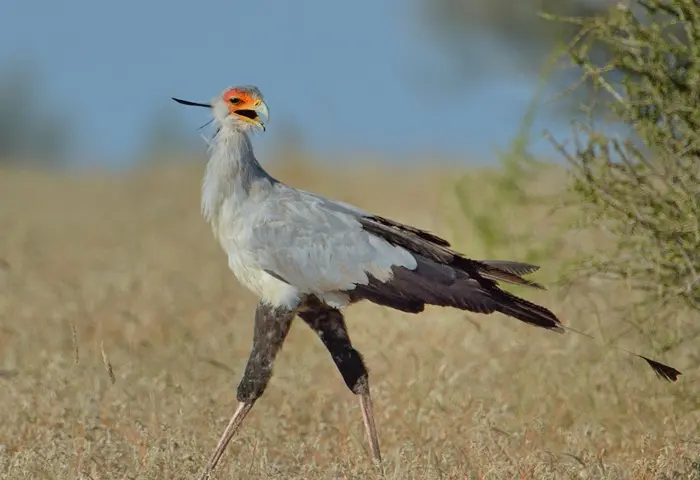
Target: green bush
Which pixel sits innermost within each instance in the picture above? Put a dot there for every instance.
(642, 191)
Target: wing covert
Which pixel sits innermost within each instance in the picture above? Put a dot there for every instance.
(318, 249)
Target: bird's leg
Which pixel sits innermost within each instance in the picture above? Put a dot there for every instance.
(271, 328)
(329, 325)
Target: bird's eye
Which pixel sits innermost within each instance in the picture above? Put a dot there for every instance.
(234, 100)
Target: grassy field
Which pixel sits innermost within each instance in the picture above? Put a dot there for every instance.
(123, 336)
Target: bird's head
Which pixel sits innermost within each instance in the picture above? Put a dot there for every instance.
(237, 108)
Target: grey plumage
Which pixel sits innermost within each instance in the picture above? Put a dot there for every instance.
(307, 255)
(342, 255)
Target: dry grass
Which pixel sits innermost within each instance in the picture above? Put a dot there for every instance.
(123, 336)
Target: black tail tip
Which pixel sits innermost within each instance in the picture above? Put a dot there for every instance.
(662, 371)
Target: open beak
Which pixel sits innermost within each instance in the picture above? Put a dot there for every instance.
(253, 115)
(191, 104)
(262, 111)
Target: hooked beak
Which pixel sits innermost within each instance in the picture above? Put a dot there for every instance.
(253, 115)
(191, 104)
(262, 111)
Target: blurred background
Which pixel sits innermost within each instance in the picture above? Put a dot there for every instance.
(441, 80)
(123, 333)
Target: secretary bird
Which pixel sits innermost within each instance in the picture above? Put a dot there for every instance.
(310, 256)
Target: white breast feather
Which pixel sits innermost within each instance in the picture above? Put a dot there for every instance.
(261, 283)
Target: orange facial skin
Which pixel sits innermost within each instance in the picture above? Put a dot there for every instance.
(238, 99)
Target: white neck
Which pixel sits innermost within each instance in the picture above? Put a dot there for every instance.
(231, 170)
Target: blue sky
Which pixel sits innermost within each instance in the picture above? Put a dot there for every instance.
(350, 76)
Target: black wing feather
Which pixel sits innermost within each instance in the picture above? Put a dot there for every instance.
(443, 277)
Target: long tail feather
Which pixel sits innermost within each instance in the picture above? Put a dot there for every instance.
(663, 371)
(470, 285)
